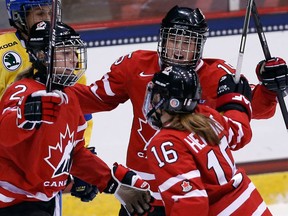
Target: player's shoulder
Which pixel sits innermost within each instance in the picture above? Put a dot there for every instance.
(136, 56)
(206, 110)
(29, 83)
(8, 35)
(216, 62)
(213, 64)
(145, 52)
(212, 61)
(71, 91)
(147, 55)
(8, 39)
(22, 87)
(168, 135)
(210, 113)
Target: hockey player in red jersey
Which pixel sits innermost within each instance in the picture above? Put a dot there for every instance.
(183, 34)
(23, 14)
(191, 155)
(41, 139)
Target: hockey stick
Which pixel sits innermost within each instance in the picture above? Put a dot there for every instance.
(243, 40)
(267, 55)
(56, 10)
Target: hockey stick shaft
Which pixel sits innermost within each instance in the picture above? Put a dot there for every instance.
(56, 10)
(267, 55)
(243, 40)
(260, 32)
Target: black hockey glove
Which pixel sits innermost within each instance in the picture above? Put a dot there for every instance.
(85, 191)
(232, 96)
(273, 74)
(132, 192)
(39, 107)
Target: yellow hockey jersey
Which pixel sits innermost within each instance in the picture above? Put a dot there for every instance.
(14, 59)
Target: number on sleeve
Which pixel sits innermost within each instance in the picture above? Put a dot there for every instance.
(15, 96)
(120, 60)
(169, 154)
(227, 68)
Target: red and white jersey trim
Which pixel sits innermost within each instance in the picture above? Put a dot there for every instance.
(174, 180)
(238, 202)
(194, 193)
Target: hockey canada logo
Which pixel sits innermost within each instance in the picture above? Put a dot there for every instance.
(59, 157)
(11, 61)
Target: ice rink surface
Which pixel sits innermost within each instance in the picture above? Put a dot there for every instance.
(280, 209)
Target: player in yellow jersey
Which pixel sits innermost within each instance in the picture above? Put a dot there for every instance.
(23, 14)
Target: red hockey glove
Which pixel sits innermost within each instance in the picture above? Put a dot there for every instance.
(129, 189)
(39, 107)
(83, 190)
(273, 74)
(232, 96)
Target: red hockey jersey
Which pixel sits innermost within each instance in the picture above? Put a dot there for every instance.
(128, 78)
(35, 164)
(195, 178)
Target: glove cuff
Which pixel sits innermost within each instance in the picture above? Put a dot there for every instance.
(123, 175)
(234, 101)
(114, 182)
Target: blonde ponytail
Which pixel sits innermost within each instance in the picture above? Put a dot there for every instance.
(199, 124)
(28, 73)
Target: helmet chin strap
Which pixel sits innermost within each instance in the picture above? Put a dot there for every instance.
(153, 110)
(157, 119)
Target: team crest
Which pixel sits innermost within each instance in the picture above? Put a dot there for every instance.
(63, 150)
(11, 61)
(186, 186)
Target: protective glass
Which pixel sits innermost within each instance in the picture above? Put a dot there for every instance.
(152, 103)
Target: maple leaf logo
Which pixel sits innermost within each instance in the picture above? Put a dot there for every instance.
(186, 186)
(57, 152)
(146, 132)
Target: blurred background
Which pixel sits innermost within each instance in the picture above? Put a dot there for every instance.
(100, 11)
(134, 24)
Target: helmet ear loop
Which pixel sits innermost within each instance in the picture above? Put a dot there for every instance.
(38, 63)
(200, 48)
(21, 25)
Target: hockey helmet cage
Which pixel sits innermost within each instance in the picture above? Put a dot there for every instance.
(187, 30)
(66, 41)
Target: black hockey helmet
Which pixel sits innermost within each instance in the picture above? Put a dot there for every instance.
(186, 19)
(67, 40)
(183, 26)
(175, 89)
